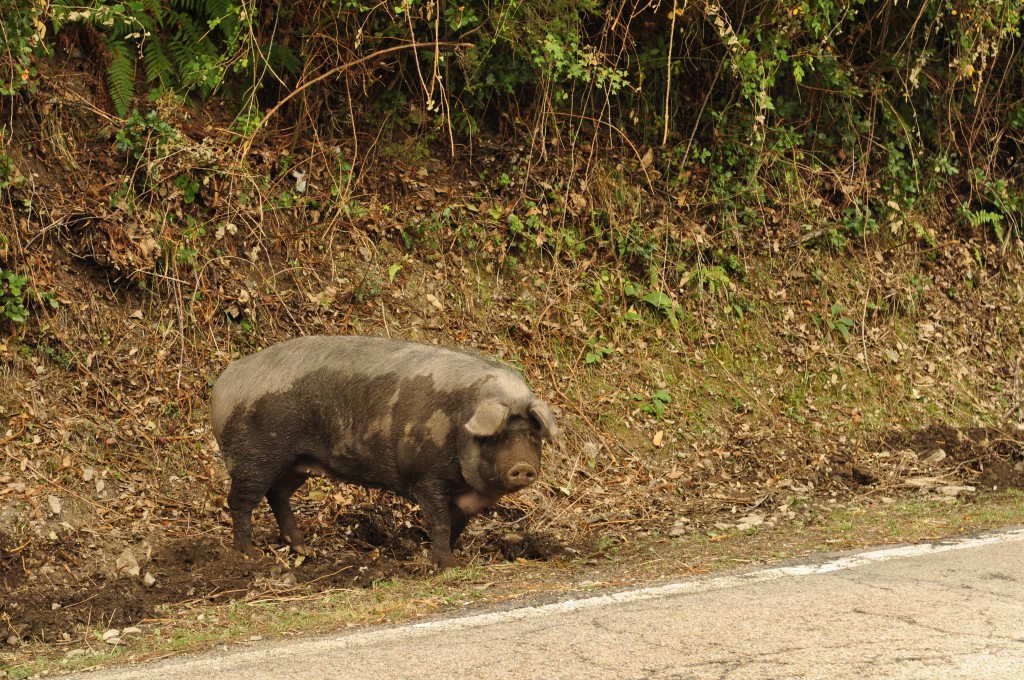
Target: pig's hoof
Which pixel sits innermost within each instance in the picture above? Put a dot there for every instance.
(443, 562)
(251, 552)
(298, 547)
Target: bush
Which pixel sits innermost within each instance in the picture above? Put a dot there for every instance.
(853, 112)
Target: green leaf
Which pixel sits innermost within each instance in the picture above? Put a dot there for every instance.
(663, 303)
(662, 396)
(658, 299)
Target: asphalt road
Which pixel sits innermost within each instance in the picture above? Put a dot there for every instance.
(945, 610)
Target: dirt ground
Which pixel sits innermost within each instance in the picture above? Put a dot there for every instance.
(55, 588)
(52, 591)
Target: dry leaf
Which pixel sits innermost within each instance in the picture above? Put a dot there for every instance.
(647, 159)
(435, 302)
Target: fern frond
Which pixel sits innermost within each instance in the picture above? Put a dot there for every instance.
(158, 66)
(147, 21)
(59, 12)
(157, 10)
(282, 58)
(215, 9)
(190, 6)
(121, 75)
(180, 49)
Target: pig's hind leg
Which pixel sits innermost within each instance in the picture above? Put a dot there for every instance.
(279, 497)
(243, 498)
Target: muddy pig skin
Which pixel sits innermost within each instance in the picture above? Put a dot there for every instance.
(450, 430)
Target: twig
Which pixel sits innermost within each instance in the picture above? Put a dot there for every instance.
(335, 71)
(581, 414)
(650, 183)
(14, 436)
(668, 67)
(333, 573)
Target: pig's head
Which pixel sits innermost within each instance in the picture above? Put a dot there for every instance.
(504, 454)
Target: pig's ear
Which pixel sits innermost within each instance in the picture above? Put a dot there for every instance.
(541, 412)
(489, 418)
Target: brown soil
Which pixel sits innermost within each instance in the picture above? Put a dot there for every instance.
(988, 458)
(53, 588)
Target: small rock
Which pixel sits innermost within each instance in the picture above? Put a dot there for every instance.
(126, 565)
(680, 527)
(113, 640)
(54, 502)
(954, 490)
(512, 538)
(13, 640)
(936, 456)
(922, 482)
(750, 521)
(131, 630)
(288, 580)
(149, 580)
(110, 633)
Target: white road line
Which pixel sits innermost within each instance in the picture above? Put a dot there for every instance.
(701, 585)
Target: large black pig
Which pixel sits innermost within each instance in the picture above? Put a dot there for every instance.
(453, 431)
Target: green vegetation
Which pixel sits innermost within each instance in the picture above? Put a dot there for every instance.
(17, 296)
(864, 117)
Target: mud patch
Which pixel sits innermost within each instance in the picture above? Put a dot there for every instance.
(53, 590)
(989, 458)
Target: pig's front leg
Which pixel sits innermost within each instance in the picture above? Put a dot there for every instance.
(434, 502)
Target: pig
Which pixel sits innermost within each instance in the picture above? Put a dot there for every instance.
(450, 430)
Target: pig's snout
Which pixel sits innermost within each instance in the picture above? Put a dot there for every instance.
(521, 475)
